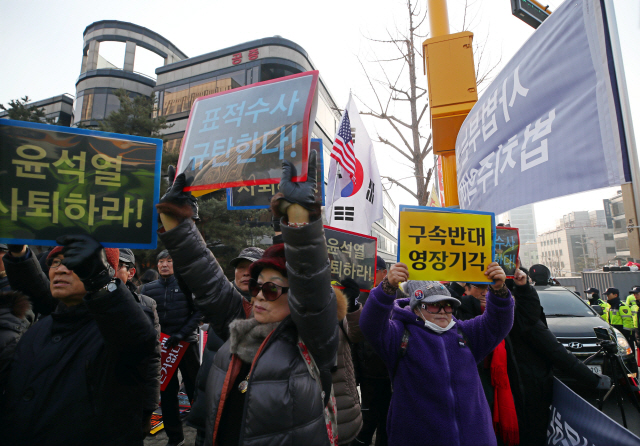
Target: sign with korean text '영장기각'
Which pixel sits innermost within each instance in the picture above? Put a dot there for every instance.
(352, 255)
(445, 244)
(240, 137)
(58, 180)
(259, 197)
(507, 249)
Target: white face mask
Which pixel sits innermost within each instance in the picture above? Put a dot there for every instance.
(436, 328)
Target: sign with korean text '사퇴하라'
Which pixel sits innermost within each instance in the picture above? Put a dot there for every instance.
(445, 245)
(507, 248)
(352, 255)
(59, 180)
(259, 197)
(240, 137)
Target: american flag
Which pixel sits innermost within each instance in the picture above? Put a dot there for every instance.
(342, 150)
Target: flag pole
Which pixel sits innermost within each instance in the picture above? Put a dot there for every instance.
(333, 190)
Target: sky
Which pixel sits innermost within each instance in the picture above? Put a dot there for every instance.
(41, 50)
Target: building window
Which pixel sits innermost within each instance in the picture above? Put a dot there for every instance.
(622, 244)
(271, 71)
(611, 250)
(608, 236)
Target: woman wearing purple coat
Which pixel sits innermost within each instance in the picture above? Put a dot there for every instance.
(437, 394)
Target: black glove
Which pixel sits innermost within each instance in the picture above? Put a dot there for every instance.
(177, 196)
(173, 340)
(302, 193)
(88, 259)
(16, 249)
(351, 291)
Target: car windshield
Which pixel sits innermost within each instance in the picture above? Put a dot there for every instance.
(560, 303)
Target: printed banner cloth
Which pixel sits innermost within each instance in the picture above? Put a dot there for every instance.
(60, 180)
(445, 245)
(507, 249)
(240, 137)
(259, 197)
(169, 360)
(352, 255)
(549, 124)
(574, 421)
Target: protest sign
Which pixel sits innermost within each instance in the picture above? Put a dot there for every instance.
(445, 244)
(507, 249)
(352, 255)
(169, 359)
(573, 421)
(259, 197)
(550, 122)
(239, 137)
(60, 180)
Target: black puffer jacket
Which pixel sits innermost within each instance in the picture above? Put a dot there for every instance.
(77, 375)
(176, 311)
(283, 404)
(15, 318)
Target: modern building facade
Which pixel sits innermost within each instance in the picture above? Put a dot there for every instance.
(386, 231)
(569, 251)
(524, 218)
(58, 110)
(619, 220)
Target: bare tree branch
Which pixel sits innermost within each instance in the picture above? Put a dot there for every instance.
(391, 180)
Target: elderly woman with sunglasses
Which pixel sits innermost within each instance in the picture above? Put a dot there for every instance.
(437, 394)
(271, 380)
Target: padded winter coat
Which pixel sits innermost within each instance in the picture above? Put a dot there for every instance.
(177, 314)
(15, 318)
(283, 403)
(77, 376)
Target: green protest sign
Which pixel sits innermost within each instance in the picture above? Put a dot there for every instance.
(352, 255)
(59, 180)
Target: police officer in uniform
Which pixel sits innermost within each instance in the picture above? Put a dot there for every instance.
(619, 314)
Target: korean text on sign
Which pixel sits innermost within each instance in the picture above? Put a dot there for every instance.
(240, 137)
(169, 359)
(445, 246)
(352, 256)
(60, 181)
(507, 249)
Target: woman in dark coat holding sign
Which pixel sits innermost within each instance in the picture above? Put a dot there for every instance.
(270, 382)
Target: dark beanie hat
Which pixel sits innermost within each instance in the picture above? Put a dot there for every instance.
(272, 258)
(113, 255)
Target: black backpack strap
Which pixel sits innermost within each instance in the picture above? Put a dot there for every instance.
(404, 343)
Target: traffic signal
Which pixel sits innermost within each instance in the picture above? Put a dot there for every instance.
(530, 11)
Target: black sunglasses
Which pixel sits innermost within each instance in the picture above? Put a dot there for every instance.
(270, 290)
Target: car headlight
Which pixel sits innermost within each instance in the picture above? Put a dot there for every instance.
(623, 346)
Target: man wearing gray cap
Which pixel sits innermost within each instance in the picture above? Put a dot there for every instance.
(126, 271)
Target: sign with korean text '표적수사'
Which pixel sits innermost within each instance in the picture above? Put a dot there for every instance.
(259, 197)
(352, 255)
(507, 249)
(240, 137)
(58, 181)
(445, 244)
(169, 359)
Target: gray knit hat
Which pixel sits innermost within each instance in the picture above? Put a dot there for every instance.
(251, 254)
(422, 291)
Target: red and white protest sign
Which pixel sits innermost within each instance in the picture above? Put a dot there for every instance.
(170, 360)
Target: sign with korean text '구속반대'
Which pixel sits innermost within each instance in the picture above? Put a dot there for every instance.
(445, 245)
(507, 248)
(169, 359)
(58, 180)
(351, 255)
(259, 197)
(240, 137)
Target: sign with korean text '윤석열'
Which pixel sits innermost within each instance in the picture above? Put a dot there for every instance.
(352, 255)
(240, 137)
(259, 197)
(507, 248)
(445, 245)
(60, 180)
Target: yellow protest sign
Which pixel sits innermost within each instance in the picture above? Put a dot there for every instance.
(445, 245)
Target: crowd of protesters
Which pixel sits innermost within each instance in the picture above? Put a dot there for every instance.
(436, 364)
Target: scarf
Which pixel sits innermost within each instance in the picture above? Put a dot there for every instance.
(505, 419)
(246, 336)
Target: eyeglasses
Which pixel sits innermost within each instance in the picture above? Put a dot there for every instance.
(435, 308)
(53, 264)
(270, 290)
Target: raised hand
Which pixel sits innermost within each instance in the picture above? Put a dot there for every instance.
(88, 259)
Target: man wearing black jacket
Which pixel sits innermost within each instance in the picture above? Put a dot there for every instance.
(179, 320)
(77, 375)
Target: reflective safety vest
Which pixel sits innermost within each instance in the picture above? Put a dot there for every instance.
(634, 314)
(631, 300)
(605, 308)
(621, 316)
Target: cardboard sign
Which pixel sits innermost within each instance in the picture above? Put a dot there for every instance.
(259, 197)
(352, 255)
(507, 249)
(240, 137)
(445, 244)
(60, 180)
(169, 360)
